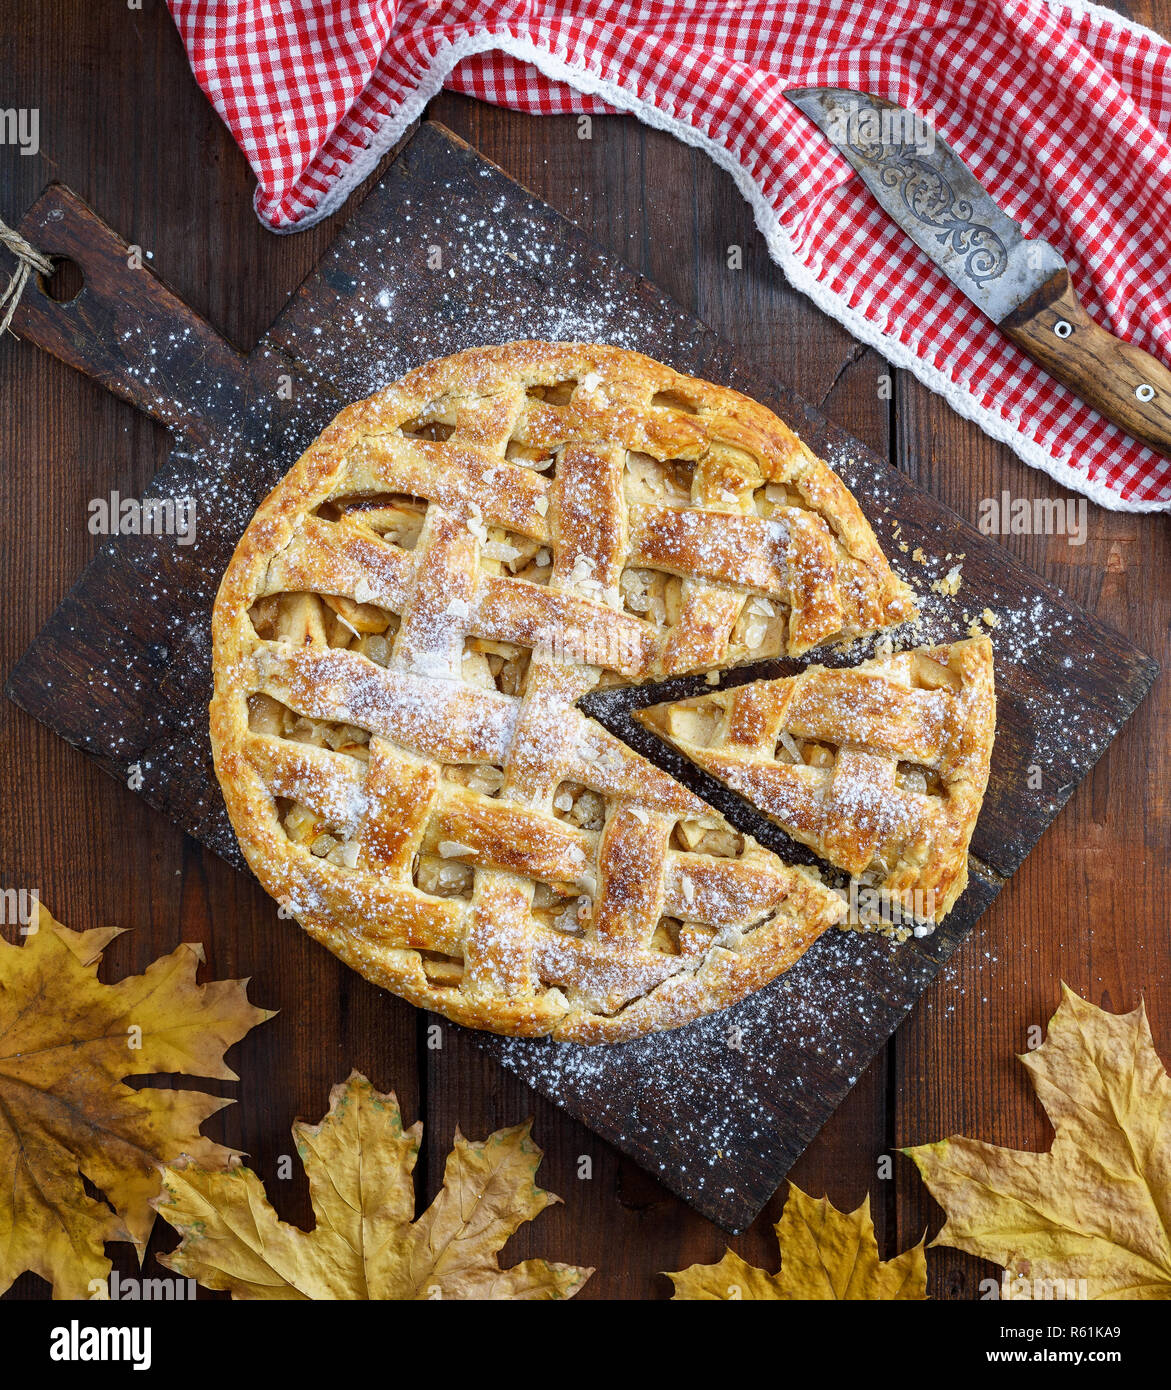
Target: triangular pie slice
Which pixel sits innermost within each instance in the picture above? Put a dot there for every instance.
(879, 768)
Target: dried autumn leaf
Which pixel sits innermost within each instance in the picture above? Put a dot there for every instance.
(67, 1042)
(359, 1161)
(825, 1254)
(1097, 1206)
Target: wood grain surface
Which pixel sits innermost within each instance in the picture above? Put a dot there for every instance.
(124, 123)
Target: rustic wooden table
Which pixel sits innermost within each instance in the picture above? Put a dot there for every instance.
(123, 122)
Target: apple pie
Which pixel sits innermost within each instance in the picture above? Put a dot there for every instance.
(402, 635)
(878, 768)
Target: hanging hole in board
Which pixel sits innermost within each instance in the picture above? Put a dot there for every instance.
(66, 282)
(1063, 328)
(1145, 392)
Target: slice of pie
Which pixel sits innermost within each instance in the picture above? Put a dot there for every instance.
(400, 640)
(879, 768)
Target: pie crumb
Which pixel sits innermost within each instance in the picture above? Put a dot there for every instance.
(949, 585)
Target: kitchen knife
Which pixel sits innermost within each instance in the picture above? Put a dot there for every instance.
(1021, 283)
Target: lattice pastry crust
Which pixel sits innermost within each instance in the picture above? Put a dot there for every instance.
(401, 636)
(880, 768)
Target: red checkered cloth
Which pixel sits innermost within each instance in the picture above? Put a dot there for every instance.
(1063, 109)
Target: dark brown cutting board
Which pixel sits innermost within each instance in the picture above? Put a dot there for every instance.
(720, 1110)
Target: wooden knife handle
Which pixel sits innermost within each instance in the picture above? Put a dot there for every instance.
(1126, 384)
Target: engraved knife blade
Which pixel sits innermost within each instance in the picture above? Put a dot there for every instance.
(934, 197)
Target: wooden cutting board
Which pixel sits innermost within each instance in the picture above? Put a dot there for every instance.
(446, 252)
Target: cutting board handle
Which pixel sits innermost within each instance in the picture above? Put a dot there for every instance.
(125, 328)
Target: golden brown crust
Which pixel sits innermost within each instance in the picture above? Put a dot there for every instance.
(401, 635)
(836, 758)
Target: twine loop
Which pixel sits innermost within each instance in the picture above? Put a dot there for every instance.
(28, 261)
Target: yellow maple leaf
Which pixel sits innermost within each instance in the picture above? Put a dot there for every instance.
(67, 1042)
(359, 1162)
(825, 1254)
(1096, 1207)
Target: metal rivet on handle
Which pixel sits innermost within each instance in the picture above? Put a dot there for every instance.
(1145, 392)
(1063, 328)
